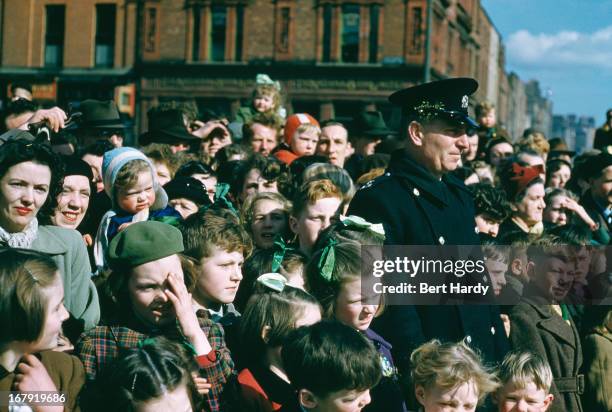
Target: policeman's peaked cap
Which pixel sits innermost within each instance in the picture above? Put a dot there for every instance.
(447, 98)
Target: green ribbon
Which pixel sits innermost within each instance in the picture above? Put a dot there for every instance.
(220, 196)
(327, 261)
(280, 248)
(147, 341)
(221, 191)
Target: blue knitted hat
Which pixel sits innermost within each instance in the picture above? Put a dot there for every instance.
(112, 163)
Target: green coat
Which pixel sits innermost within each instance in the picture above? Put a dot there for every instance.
(67, 249)
(598, 372)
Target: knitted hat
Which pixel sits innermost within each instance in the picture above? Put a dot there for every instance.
(144, 242)
(296, 120)
(112, 163)
(188, 188)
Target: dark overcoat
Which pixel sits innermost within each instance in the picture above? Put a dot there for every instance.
(535, 327)
(415, 208)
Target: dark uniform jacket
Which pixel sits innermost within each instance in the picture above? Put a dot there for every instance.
(535, 327)
(603, 138)
(415, 208)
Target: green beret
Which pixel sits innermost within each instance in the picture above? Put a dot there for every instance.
(144, 242)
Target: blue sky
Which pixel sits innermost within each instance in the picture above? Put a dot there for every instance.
(565, 44)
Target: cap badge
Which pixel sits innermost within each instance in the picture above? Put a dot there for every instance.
(464, 102)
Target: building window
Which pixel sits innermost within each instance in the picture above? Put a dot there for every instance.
(350, 33)
(54, 36)
(105, 35)
(284, 30)
(416, 43)
(283, 35)
(217, 33)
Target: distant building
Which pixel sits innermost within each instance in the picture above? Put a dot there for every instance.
(539, 108)
(332, 57)
(578, 131)
(517, 120)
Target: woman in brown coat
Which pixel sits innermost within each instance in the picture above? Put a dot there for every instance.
(31, 313)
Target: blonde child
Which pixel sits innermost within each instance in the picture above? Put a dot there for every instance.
(266, 99)
(449, 376)
(130, 181)
(302, 133)
(525, 383)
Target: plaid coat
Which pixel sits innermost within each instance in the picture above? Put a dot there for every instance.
(102, 345)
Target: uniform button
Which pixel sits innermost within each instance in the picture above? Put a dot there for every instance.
(468, 339)
(476, 229)
(492, 330)
(387, 174)
(441, 240)
(416, 192)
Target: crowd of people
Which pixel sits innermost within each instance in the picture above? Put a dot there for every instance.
(217, 265)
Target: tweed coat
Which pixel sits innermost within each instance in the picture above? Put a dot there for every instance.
(536, 327)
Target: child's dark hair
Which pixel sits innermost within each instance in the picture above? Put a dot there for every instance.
(97, 148)
(328, 357)
(490, 201)
(277, 310)
(193, 167)
(573, 234)
(260, 262)
(18, 151)
(148, 372)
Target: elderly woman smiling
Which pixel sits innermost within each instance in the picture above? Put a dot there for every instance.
(30, 180)
(525, 190)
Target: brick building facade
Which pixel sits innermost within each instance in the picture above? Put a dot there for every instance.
(331, 56)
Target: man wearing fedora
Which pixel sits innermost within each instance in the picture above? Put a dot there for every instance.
(367, 131)
(100, 120)
(419, 202)
(167, 126)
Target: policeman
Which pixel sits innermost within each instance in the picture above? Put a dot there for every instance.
(420, 203)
